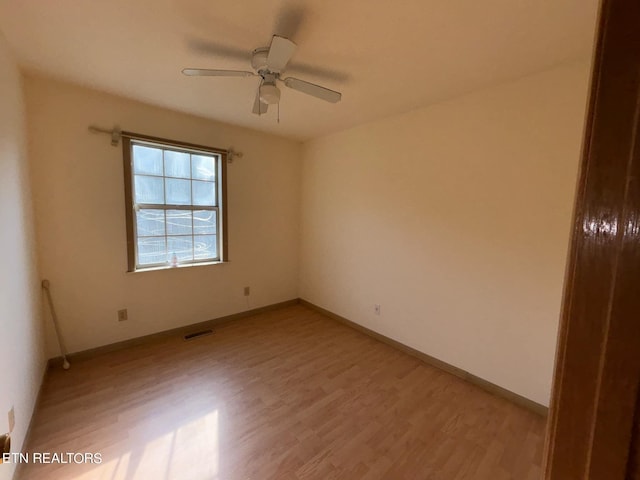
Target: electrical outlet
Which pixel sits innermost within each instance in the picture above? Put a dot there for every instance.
(247, 291)
(12, 419)
(376, 309)
(122, 315)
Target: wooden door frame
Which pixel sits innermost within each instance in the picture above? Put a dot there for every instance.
(597, 374)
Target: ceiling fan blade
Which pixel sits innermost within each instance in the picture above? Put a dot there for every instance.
(280, 53)
(204, 72)
(289, 19)
(259, 107)
(313, 90)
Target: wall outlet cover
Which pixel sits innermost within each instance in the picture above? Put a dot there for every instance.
(12, 419)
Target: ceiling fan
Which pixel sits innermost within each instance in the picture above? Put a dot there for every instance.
(269, 63)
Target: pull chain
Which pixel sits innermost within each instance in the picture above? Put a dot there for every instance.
(278, 112)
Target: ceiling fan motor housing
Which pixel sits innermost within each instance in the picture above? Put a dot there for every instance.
(259, 59)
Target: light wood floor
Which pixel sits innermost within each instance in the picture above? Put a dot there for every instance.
(286, 395)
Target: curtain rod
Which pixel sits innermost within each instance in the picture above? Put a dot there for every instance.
(117, 134)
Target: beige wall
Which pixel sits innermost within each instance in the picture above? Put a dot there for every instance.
(455, 219)
(79, 205)
(20, 322)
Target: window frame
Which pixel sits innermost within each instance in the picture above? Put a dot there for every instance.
(128, 140)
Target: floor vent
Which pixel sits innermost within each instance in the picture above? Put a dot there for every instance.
(194, 335)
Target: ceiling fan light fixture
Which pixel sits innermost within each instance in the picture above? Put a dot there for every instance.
(269, 94)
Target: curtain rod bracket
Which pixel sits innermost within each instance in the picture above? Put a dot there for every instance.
(116, 135)
(231, 154)
(115, 132)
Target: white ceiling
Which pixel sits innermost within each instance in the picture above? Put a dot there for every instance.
(384, 56)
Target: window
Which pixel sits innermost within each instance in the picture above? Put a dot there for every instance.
(175, 200)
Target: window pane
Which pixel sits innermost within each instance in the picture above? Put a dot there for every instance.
(204, 221)
(151, 250)
(176, 164)
(179, 222)
(178, 191)
(203, 167)
(205, 246)
(147, 160)
(148, 189)
(150, 222)
(204, 193)
(181, 246)
(164, 176)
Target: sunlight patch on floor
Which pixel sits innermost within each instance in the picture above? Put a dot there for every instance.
(166, 457)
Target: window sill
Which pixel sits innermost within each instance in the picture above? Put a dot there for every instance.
(178, 267)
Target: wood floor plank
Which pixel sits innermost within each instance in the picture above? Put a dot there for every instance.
(286, 395)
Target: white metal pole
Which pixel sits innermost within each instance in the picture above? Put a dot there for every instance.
(65, 363)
